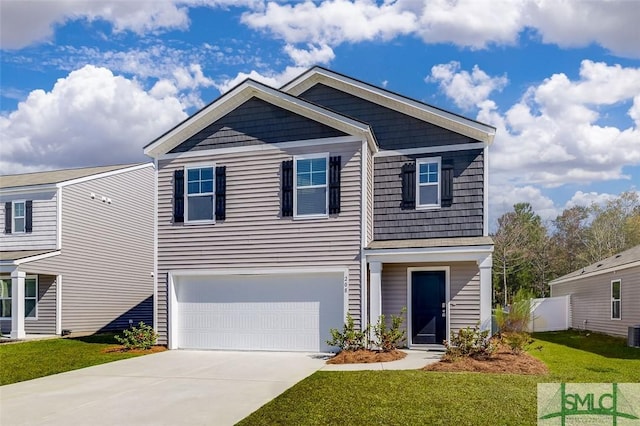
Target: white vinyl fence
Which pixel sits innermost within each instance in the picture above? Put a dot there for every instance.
(550, 314)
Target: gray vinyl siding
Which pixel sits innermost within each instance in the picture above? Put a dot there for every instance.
(107, 252)
(253, 235)
(464, 281)
(45, 323)
(44, 232)
(256, 122)
(464, 218)
(591, 301)
(394, 130)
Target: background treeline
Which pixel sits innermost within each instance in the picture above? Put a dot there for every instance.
(530, 252)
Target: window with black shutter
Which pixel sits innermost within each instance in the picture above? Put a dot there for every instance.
(408, 186)
(334, 184)
(287, 189)
(221, 192)
(178, 196)
(8, 207)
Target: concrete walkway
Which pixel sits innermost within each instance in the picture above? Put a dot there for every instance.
(414, 360)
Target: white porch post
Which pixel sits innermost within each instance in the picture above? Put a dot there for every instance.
(375, 291)
(17, 304)
(485, 292)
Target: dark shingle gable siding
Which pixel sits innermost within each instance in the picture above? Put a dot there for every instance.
(393, 129)
(464, 218)
(253, 123)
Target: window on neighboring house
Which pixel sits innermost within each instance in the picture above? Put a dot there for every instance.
(615, 299)
(200, 194)
(311, 195)
(30, 297)
(428, 182)
(18, 216)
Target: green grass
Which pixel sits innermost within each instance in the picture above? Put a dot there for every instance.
(30, 360)
(419, 397)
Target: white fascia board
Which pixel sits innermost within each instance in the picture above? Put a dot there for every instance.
(430, 149)
(595, 273)
(236, 97)
(431, 254)
(260, 147)
(103, 175)
(27, 189)
(421, 111)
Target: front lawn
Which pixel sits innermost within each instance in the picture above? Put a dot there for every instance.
(29, 360)
(420, 397)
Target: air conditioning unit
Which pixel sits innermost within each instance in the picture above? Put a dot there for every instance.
(634, 336)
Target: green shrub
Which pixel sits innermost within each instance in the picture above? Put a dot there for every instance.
(350, 339)
(469, 342)
(517, 342)
(388, 339)
(141, 337)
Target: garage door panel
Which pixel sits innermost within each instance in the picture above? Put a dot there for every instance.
(280, 312)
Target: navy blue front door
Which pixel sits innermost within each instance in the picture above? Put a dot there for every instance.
(428, 307)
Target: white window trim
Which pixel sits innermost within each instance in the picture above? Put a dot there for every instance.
(425, 160)
(324, 155)
(619, 281)
(28, 277)
(13, 216)
(186, 194)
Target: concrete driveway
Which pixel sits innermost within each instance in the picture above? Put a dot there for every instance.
(168, 388)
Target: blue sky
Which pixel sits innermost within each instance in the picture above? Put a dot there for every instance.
(89, 83)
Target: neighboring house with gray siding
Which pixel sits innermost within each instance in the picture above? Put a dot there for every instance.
(605, 296)
(281, 210)
(76, 249)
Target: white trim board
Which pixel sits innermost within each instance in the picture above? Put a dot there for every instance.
(430, 149)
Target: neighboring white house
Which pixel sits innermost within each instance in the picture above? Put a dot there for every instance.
(605, 296)
(77, 249)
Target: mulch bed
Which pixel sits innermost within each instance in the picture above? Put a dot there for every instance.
(120, 348)
(366, 356)
(502, 361)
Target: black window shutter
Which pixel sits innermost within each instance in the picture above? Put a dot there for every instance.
(408, 186)
(7, 217)
(446, 186)
(287, 188)
(28, 216)
(178, 196)
(334, 184)
(221, 193)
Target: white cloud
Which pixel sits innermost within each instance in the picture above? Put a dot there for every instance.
(502, 198)
(25, 22)
(269, 78)
(311, 56)
(586, 199)
(89, 117)
(469, 23)
(465, 89)
(553, 135)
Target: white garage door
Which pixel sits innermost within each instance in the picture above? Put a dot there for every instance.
(283, 312)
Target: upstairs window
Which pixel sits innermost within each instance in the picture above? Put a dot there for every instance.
(428, 183)
(615, 299)
(18, 216)
(311, 195)
(200, 194)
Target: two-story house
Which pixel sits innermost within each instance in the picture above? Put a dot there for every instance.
(280, 210)
(77, 249)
